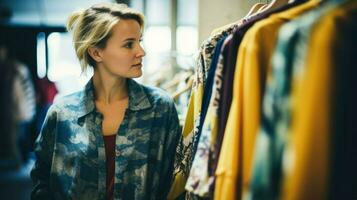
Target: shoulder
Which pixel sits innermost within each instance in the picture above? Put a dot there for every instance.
(158, 96)
(69, 100)
(162, 104)
(69, 104)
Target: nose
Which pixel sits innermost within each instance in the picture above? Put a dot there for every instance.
(141, 52)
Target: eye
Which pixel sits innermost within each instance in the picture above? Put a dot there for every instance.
(129, 45)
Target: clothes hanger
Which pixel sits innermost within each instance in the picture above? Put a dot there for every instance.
(262, 8)
(179, 77)
(252, 11)
(273, 5)
(187, 87)
(255, 8)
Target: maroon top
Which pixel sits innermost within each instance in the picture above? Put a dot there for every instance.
(109, 142)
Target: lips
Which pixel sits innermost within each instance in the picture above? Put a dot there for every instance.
(137, 65)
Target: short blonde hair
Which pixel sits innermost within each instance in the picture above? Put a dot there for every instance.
(92, 27)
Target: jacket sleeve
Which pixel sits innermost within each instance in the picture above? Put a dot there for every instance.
(174, 132)
(44, 147)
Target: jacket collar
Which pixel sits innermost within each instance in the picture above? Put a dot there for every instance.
(138, 99)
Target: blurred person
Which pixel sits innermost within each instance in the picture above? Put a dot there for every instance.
(25, 109)
(19, 103)
(15, 113)
(116, 138)
(8, 143)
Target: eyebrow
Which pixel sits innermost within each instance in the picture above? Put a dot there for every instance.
(129, 39)
(132, 39)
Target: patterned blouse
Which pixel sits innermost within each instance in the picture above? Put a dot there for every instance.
(71, 162)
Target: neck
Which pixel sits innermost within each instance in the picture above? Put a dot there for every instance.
(109, 88)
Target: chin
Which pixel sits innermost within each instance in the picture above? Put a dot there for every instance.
(136, 74)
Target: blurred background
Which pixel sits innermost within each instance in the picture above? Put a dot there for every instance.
(38, 64)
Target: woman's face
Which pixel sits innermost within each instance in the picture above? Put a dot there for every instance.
(123, 53)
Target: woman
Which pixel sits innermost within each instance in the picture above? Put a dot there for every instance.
(116, 138)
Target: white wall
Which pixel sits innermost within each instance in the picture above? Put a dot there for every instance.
(213, 14)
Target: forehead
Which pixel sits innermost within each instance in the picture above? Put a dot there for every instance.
(126, 28)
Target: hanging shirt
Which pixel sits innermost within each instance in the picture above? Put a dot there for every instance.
(254, 58)
(199, 181)
(71, 155)
(276, 113)
(225, 93)
(314, 123)
(186, 148)
(227, 60)
(344, 138)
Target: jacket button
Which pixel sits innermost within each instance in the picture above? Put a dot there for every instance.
(117, 153)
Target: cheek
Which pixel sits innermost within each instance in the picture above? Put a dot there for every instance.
(120, 58)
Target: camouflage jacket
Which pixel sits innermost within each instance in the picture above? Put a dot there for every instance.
(71, 162)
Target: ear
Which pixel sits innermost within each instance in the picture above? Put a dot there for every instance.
(95, 53)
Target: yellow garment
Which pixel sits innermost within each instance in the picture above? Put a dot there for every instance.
(311, 130)
(193, 111)
(253, 64)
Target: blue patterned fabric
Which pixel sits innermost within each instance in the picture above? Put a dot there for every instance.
(71, 162)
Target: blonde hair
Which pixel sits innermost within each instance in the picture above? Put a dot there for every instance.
(92, 27)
